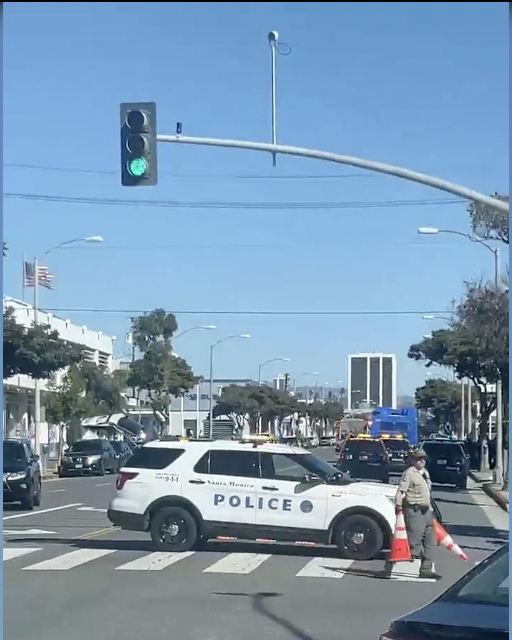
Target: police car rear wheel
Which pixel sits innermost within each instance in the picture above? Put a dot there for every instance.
(173, 529)
(359, 537)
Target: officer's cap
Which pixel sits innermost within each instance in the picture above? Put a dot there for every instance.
(416, 454)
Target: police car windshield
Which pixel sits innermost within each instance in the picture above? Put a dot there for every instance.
(316, 465)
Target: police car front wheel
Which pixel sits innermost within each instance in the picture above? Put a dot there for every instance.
(359, 537)
(173, 529)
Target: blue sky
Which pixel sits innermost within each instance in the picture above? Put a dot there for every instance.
(420, 85)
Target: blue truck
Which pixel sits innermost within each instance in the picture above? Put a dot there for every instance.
(391, 423)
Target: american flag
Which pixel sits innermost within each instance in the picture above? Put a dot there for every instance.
(44, 277)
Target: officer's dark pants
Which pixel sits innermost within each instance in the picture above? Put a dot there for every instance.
(419, 523)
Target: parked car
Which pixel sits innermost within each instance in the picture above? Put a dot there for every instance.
(22, 475)
(474, 608)
(91, 457)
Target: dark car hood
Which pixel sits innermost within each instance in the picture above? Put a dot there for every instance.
(470, 616)
(14, 467)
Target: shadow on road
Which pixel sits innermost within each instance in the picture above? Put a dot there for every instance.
(217, 547)
(258, 602)
(475, 531)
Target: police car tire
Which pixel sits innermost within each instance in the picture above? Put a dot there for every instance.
(366, 522)
(160, 517)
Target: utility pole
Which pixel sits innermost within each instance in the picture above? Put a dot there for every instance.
(37, 386)
(462, 408)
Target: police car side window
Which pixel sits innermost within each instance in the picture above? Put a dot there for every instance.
(242, 464)
(282, 467)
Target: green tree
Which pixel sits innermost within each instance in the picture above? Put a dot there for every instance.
(158, 371)
(442, 399)
(36, 351)
(489, 223)
(85, 390)
(240, 405)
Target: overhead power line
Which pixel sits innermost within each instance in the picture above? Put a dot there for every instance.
(196, 176)
(272, 206)
(225, 312)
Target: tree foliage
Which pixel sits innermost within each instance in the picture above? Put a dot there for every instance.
(36, 351)
(252, 403)
(158, 371)
(475, 346)
(85, 390)
(442, 400)
(489, 223)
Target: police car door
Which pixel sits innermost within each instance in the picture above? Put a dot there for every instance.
(284, 496)
(223, 487)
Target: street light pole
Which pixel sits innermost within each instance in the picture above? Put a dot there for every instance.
(264, 364)
(210, 400)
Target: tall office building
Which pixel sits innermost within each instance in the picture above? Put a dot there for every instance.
(371, 380)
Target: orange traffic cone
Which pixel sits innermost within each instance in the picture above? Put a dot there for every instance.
(445, 540)
(400, 550)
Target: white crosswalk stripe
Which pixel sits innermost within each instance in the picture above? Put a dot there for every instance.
(155, 561)
(241, 563)
(13, 552)
(70, 560)
(229, 564)
(325, 568)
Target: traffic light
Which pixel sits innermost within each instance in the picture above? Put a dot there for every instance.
(139, 166)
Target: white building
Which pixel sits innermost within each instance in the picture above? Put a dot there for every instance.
(372, 380)
(19, 390)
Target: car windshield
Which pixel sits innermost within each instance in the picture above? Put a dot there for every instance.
(315, 465)
(397, 445)
(486, 584)
(14, 452)
(363, 445)
(86, 446)
(446, 450)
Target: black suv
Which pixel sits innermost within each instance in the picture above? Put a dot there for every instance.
(397, 449)
(365, 458)
(22, 475)
(447, 462)
(92, 457)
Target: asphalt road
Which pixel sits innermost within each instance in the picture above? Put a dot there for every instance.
(67, 572)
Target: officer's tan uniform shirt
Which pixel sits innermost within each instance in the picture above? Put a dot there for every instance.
(415, 485)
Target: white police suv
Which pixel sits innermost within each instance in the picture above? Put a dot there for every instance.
(186, 492)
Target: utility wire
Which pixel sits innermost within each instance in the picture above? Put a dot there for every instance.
(225, 312)
(196, 176)
(272, 206)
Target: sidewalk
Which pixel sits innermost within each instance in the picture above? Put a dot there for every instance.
(492, 490)
(50, 471)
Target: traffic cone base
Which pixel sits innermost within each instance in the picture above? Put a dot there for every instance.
(445, 540)
(400, 549)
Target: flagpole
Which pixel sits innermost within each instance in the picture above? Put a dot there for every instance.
(37, 388)
(23, 276)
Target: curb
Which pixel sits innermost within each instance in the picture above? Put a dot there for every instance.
(492, 492)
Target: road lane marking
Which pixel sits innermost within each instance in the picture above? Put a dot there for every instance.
(28, 532)
(92, 509)
(69, 560)
(56, 491)
(12, 552)
(98, 532)
(325, 568)
(35, 513)
(240, 563)
(155, 561)
(104, 484)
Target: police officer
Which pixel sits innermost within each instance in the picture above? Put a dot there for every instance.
(413, 497)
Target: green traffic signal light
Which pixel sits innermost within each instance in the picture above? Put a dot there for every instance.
(137, 167)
